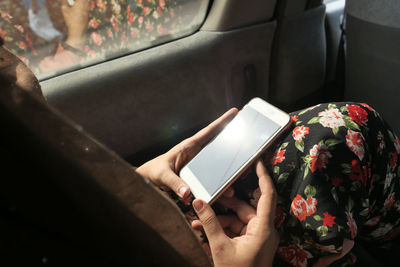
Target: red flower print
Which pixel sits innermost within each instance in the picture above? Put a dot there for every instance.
(367, 106)
(319, 157)
(351, 223)
(123, 38)
(93, 23)
(302, 208)
(101, 4)
(133, 33)
(149, 26)
(389, 201)
(29, 41)
(146, 10)
(300, 132)
(5, 15)
(357, 114)
(161, 3)
(139, 2)
(278, 156)
(397, 144)
(392, 235)
(114, 23)
(336, 181)
(294, 254)
(358, 174)
(280, 216)
(328, 220)
(373, 221)
(97, 39)
(91, 54)
(109, 33)
(92, 5)
(131, 18)
(140, 19)
(3, 33)
(382, 231)
(22, 45)
(355, 141)
(295, 118)
(393, 161)
(352, 259)
(19, 28)
(160, 29)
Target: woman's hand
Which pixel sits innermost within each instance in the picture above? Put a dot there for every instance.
(163, 170)
(76, 18)
(250, 238)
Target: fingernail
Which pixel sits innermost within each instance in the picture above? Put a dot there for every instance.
(182, 191)
(197, 205)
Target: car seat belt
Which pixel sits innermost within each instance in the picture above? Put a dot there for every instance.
(313, 3)
(340, 71)
(290, 7)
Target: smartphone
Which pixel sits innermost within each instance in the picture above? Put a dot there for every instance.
(234, 149)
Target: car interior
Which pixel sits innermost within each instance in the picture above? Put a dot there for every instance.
(69, 195)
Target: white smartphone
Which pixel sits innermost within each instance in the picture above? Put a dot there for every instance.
(234, 149)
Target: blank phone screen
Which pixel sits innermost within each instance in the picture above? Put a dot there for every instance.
(232, 148)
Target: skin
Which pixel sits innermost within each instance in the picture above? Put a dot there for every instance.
(248, 238)
(252, 239)
(162, 171)
(76, 18)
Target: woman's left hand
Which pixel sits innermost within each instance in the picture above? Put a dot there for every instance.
(163, 170)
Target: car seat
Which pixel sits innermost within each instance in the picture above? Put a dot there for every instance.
(373, 55)
(66, 199)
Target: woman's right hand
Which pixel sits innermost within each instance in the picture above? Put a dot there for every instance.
(252, 239)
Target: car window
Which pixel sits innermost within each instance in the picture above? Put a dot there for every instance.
(54, 37)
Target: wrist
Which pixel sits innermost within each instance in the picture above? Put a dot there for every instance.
(76, 42)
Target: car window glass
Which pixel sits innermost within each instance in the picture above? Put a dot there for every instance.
(55, 36)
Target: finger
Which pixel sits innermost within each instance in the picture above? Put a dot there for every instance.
(196, 224)
(244, 211)
(209, 221)
(207, 133)
(187, 149)
(175, 183)
(232, 223)
(230, 192)
(267, 203)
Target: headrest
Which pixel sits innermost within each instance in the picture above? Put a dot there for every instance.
(382, 12)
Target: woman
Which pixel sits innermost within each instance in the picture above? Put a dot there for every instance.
(337, 179)
(336, 173)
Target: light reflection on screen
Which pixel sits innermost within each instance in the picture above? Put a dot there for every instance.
(230, 150)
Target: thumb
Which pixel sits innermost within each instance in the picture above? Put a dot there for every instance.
(208, 219)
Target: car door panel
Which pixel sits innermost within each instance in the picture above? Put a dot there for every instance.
(141, 99)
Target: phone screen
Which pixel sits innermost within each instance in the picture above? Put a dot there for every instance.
(232, 148)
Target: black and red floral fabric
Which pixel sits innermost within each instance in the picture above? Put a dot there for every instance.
(337, 173)
(115, 27)
(337, 176)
